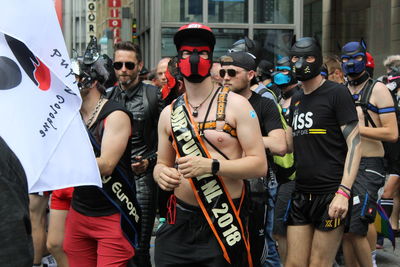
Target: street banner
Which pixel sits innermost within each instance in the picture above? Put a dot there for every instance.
(40, 101)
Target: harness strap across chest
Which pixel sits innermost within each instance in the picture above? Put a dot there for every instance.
(220, 124)
(362, 100)
(212, 125)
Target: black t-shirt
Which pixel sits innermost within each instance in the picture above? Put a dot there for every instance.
(267, 113)
(319, 146)
(90, 200)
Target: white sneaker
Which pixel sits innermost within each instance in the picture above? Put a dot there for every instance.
(49, 261)
(373, 255)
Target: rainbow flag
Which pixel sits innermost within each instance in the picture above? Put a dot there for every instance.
(382, 225)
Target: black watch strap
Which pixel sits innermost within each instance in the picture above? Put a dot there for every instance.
(214, 166)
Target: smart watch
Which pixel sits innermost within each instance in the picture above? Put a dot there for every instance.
(214, 166)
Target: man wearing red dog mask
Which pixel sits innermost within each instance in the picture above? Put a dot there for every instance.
(209, 141)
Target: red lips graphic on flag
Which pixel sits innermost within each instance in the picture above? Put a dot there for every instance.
(36, 70)
(42, 75)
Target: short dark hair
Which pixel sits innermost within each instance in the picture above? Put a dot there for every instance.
(129, 46)
(332, 63)
(152, 75)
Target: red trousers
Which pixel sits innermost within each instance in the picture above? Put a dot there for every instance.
(96, 241)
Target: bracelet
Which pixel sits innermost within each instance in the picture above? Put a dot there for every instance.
(345, 187)
(343, 193)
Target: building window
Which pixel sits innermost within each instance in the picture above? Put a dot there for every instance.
(276, 43)
(225, 39)
(168, 48)
(312, 23)
(228, 11)
(273, 11)
(182, 10)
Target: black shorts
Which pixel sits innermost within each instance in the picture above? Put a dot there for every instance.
(392, 157)
(188, 242)
(306, 208)
(370, 177)
(282, 200)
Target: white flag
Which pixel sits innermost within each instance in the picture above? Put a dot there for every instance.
(39, 100)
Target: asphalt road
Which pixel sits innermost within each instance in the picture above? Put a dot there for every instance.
(386, 257)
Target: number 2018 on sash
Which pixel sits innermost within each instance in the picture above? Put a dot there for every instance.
(232, 235)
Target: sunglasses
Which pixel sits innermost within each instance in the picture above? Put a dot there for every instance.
(231, 72)
(128, 65)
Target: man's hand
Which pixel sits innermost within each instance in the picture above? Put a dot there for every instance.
(140, 166)
(338, 207)
(193, 166)
(169, 178)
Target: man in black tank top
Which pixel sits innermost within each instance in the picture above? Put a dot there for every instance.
(93, 234)
(324, 136)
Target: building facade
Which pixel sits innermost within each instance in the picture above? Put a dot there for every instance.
(108, 20)
(271, 23)
(376, 21)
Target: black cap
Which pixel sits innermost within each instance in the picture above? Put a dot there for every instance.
(241, 59)
(144, 71)
(265, 66)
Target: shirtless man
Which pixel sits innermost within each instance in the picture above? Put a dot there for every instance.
(377, 123)
(200, 235)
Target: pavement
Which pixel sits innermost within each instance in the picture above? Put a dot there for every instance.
(386, 257)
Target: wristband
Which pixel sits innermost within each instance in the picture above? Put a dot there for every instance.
(345, 187)
(341, 192)
(214, 166)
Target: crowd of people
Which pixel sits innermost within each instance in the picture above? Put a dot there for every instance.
(250, 162)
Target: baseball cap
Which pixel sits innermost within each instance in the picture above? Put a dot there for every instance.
(240, 59)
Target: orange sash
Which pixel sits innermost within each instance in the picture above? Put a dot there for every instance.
(209, 190)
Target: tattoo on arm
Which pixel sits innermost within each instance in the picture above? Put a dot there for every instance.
(354, 143)
(348, 129)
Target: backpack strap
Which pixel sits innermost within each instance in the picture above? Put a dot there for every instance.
(363, 101)
(266, 89)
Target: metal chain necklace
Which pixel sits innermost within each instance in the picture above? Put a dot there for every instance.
(195, 111)
(96, 109)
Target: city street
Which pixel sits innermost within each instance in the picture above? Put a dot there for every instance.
(386, 257)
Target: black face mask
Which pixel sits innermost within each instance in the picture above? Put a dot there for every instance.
(303, 48)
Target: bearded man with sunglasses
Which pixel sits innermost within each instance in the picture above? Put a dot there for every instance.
(209, 141)
(145, 104)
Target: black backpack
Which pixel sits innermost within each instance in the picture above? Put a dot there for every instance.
(391, 153)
